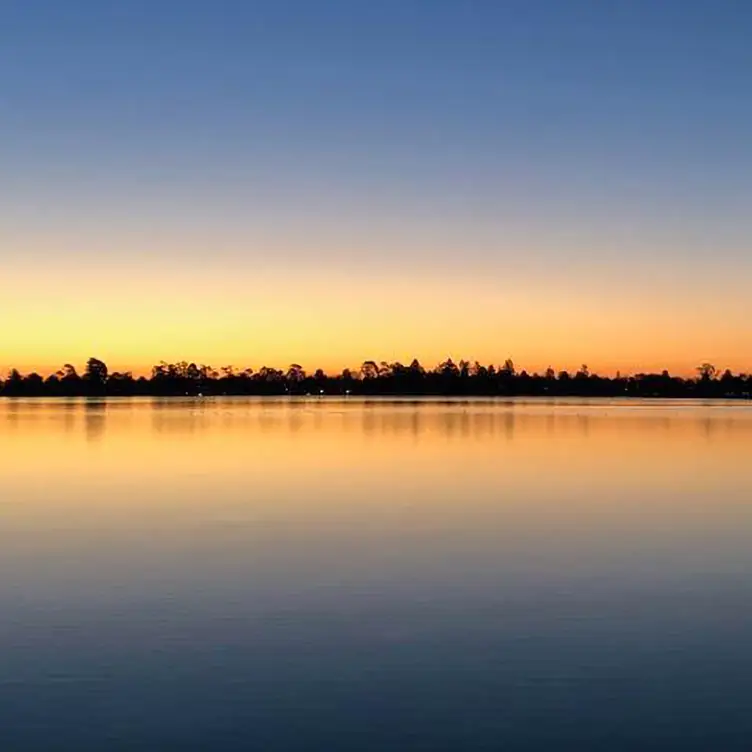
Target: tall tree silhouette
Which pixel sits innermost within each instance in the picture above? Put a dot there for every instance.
(95, 375)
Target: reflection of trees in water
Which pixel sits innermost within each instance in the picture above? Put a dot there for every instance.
(550, 424)
(709, 427)
(13, 411)
(415, 423)
(583, 424)
(69, 410)
(713, 427)
(295, 421)
(456, 421)
(454, 424)
(95, 419)
(465, 426)
(479, 423)
(370, 421)
(176, 417)
(422, 419)
(318, 419)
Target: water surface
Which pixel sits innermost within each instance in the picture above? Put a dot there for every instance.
(314, 575)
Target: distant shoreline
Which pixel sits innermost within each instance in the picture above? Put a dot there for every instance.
(403, 399)
(377, 380)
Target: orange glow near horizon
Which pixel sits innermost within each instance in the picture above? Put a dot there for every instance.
(134, 316)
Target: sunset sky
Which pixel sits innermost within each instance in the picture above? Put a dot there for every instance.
(326, 182)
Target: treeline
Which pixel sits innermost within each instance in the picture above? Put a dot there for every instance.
(373, 379)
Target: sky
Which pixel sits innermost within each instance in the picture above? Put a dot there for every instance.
(261, 183)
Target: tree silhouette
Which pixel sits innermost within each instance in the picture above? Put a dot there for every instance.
(447, 378)
(295, 373)
(369, 369)
(96, 372)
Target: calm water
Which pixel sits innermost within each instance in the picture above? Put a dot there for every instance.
(227, 575)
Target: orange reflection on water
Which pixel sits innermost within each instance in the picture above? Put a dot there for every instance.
(584, 452)
(140, 492)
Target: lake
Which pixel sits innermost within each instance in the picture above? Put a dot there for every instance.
(240, 574)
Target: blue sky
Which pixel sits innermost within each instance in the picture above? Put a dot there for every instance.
(601, 147)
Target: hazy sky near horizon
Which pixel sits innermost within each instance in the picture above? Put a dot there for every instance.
(324, 182)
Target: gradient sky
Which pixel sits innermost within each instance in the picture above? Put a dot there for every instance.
(324, 182)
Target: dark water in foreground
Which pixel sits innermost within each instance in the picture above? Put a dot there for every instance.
(227, 575)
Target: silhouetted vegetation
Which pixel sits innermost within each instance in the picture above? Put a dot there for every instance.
(373, 379)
